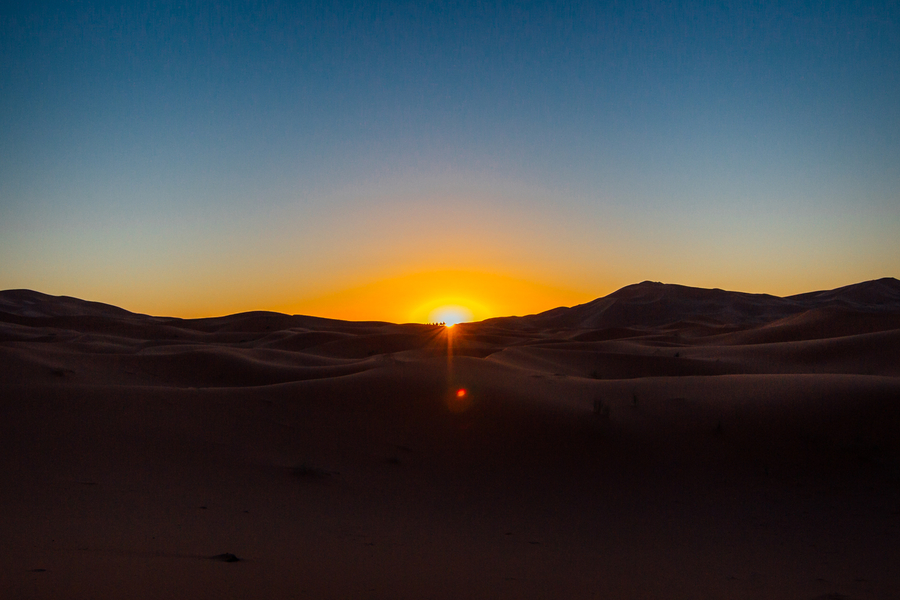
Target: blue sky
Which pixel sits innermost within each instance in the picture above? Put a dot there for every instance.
(198, 158)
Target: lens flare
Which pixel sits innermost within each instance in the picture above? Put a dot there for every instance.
(458, 399)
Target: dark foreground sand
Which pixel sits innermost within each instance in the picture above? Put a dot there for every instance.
(662, 442)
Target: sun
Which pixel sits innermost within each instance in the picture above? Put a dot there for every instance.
(450, 315)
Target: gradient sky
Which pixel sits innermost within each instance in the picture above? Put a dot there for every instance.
(372, 160)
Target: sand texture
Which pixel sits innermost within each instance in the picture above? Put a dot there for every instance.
(660, 442)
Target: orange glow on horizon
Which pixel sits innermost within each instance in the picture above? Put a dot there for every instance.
(448, 297)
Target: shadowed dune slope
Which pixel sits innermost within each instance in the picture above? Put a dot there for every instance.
(661, 442)
(651, 304)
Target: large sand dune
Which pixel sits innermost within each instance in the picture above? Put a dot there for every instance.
(661, 442)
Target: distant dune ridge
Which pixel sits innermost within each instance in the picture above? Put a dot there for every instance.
(651, 304)
(660, 442)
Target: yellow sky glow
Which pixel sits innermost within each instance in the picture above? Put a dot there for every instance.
(417, 298)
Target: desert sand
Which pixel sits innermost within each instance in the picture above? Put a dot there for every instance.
(660, 442)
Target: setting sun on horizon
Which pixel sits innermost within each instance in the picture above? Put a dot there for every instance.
(450, 315)
(450, 296)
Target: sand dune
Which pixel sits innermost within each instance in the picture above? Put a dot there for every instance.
(661, 442)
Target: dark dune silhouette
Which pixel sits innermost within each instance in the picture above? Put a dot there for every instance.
(660, 442)
(651, 304)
